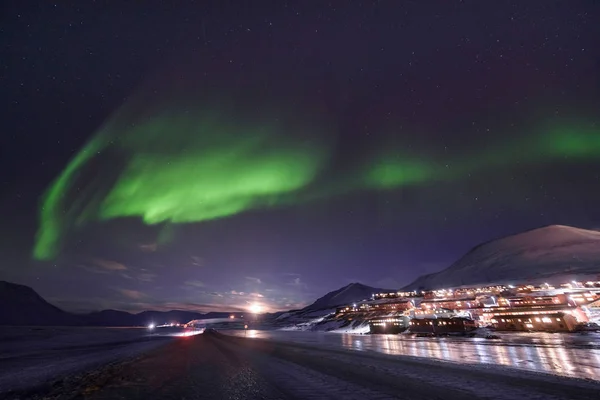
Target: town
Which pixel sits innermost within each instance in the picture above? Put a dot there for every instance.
(568, 307)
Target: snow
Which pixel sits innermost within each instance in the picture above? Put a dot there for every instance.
(552, 254)
(33, 356)
(322, 320)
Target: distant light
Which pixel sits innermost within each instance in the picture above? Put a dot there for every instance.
(188, 333)
(151, 326)
(231, 316)
(255, 308)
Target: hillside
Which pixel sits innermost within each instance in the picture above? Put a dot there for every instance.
(320, 315)
(346, 295)
(553, 253)
(21, 305)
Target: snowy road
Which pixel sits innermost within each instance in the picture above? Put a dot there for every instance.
(215, 366)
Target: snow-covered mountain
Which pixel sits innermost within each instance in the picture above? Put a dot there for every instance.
(320, 315)
(551, 254)
(348, 294)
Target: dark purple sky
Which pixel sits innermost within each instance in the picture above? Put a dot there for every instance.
(473, 82)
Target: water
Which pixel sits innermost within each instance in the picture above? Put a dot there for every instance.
(560, 354)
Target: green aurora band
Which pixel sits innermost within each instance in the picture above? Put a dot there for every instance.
(179, 168)
(393, 168)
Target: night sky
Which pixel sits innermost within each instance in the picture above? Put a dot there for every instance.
(216, 154)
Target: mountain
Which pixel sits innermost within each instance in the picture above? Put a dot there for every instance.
(553, 254)
(320, 315)
(346, 295)
(21, 305)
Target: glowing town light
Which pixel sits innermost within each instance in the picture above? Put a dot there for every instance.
(231, 316)
(151, 326)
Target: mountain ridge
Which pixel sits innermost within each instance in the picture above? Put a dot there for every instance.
(545, 253)
(345, 295)
(22, 305)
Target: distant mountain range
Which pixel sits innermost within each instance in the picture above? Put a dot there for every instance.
(21, 305)
(553, 254)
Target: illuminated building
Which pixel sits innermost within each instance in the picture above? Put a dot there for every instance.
(546, 321)
(389, 324)
(442, 326)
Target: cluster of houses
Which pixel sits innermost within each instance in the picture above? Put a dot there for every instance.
(568, 307)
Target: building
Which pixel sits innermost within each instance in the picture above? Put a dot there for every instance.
(518, 318)
(442, 326)
(394, 295)
(551, 322)
(524, 301)
(389, 324)
(396, 304)
(450, 304)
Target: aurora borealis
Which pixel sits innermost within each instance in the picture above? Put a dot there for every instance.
(211, 157)
(182, 169)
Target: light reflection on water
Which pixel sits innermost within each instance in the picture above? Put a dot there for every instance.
(561, 354)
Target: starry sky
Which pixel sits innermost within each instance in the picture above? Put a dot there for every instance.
(219, 154)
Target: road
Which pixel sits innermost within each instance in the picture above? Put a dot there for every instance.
(216, 366)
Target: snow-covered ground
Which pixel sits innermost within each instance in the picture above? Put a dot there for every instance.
(303, 364)
(30, 356)
(217, 366)
(320, 320)
(561, 354)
